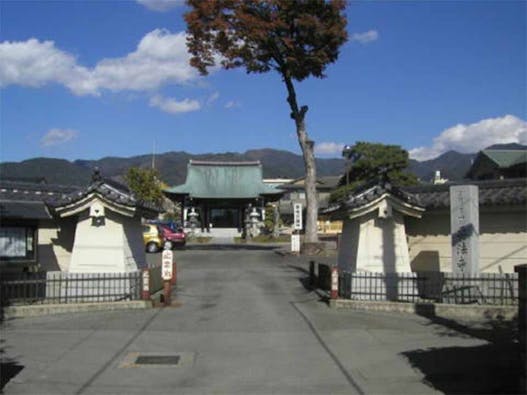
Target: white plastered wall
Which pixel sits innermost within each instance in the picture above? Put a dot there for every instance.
(55, 243)
(502, 241)
(134, 252)
(374, 244)
(114, 247)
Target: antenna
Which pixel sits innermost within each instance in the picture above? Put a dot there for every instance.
(154, 155)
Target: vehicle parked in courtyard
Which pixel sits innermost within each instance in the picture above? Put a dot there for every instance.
(172, 237)
(152, 238)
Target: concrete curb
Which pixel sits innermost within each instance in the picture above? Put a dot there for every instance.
(47, 309)
(479, 312)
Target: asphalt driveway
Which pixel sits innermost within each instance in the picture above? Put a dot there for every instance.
(243, 323)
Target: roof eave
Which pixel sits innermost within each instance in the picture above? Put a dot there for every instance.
(78, 206)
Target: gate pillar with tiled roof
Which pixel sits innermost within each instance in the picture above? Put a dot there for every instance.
(108, 234)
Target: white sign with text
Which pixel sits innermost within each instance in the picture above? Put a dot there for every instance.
(166, 268)
(297, 216)
(295, 243)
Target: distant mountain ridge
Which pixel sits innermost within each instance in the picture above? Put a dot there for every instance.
(172, 166)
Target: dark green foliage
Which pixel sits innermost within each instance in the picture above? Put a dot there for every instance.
(145, 184)
(375, 161)
(269, 222)
(379, 161)
(342, 191)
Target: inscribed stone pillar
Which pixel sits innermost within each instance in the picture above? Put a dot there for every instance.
(464, 229)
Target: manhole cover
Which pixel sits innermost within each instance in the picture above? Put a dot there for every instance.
(157, 360)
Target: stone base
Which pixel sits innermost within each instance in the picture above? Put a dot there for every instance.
(316, 248)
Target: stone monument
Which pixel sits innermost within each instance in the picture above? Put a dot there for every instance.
(464, 229)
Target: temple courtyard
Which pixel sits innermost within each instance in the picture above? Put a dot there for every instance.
(243, 320)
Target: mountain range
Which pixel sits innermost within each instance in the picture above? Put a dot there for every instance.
(172, 166)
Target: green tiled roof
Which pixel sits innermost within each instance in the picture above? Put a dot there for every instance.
(224, 180)
(506, 158)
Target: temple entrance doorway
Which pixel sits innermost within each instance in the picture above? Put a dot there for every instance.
(225, 218)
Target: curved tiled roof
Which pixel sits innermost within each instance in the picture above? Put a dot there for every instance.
(491, 193)
(30, 191)
(27, 200)
(108, 189)
(510, 192)
(20, 199)
(369, 192)
(224, 180)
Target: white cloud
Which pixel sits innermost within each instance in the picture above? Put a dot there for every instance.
(173, 106)
(57, 136)
(364, 38)
(160, 58)
(212, 98)
(161, 5)
(474, 137)
(329, 148)
(35, 63)
(232, 104)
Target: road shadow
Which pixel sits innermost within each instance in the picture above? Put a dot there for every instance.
(492, 368)
(9, 367)
(309, 286)
(484, 369)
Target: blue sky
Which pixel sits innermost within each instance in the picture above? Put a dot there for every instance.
(86, 80)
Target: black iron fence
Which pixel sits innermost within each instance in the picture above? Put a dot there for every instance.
(60, 287)
(440, 287)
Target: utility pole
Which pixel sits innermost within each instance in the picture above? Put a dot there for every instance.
(154, 155)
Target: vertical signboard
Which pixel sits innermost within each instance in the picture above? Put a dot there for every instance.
(464, 229)
(295, 243)
(166, 268)
(297, 216)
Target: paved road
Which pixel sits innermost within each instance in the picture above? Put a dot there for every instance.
(243, 324)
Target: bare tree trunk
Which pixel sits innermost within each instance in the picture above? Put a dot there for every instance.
(310, 185)
(308, 153)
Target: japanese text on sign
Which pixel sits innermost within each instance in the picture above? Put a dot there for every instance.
(166, 268)
(297, 216)
(146, 280)
(295, 243)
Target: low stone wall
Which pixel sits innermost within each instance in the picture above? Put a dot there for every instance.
(47, 309)
(155, 282)
(478, 312)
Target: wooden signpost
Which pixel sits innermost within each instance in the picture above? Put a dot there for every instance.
(297, 226)
(167, 273)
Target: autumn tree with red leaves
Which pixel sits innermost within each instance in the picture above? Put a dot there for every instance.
(296, 38)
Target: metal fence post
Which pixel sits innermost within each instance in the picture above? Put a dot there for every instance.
(312, 273)
(174, 272)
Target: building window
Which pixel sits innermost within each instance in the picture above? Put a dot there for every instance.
(17, 243)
